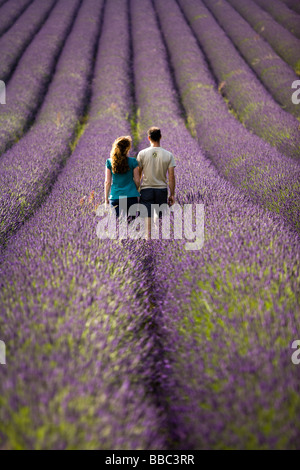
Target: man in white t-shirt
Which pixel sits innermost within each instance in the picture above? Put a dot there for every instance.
(155, 164)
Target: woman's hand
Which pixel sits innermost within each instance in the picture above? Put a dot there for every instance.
(106, 204)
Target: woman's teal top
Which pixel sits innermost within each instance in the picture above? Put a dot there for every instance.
(123, 184)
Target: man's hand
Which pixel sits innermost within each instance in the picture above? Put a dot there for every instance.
(106, 204)
(171, 200)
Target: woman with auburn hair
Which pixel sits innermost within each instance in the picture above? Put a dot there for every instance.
(122, 177)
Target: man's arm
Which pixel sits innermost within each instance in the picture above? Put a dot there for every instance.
(172, 184)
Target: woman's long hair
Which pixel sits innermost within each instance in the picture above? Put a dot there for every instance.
(119, 154)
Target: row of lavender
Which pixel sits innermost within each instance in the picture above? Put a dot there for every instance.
(10, 11)
(72, 320)
(252, 103)
(26, 89)
(252, 165)
(282, 14)
(271, 70)
(293, 5)
(226, 315)
(283, 42)
(29, 168)
(15, 41)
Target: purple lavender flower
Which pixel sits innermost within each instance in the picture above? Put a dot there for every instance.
(282, 41)
(29, 82)
(244, 92)
(271, 70)
(282, 14)
(14, 42)
(293, 5)
(31, 166)
(10, 12)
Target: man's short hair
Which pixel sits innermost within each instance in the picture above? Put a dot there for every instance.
(154, 134)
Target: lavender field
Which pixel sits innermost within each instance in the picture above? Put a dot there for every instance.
(136, 344)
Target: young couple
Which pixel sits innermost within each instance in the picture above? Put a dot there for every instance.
(142, 180)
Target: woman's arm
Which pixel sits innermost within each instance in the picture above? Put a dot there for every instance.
(136, 177)
(107, 185)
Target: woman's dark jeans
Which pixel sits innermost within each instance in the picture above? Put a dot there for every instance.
(130, 202)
